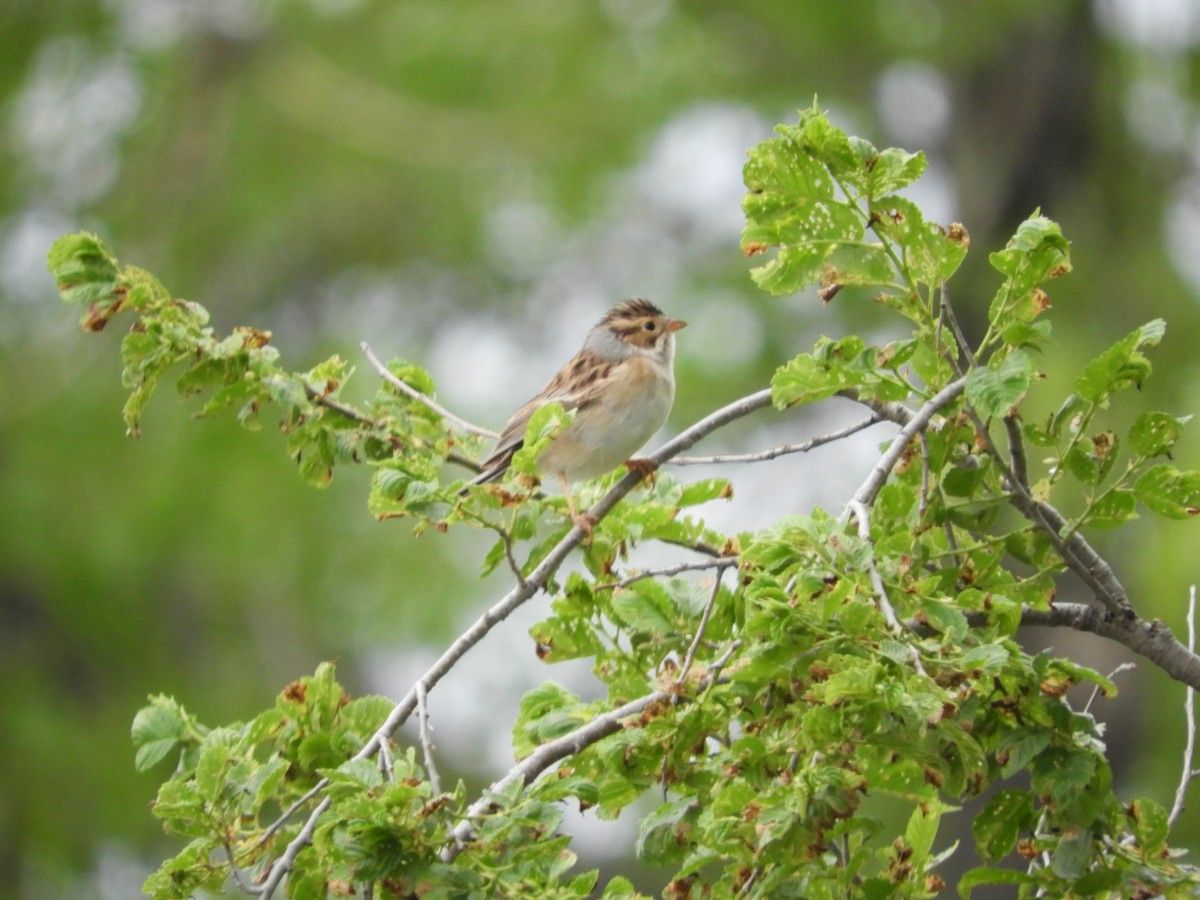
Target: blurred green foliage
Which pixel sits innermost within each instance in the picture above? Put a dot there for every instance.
(333, 170)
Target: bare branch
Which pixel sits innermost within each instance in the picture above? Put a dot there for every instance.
(955, 329)
(916, 421)
(429, 402)
(719, 564)
(569, 744)
(284, 864)
(703, 626)
(542, 758)
(1189, 709)
(245, 888)
(1153, 640)
(783, 450)
(435, 780)
(859, 509)
(1016, 450)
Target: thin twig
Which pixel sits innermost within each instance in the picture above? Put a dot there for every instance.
(1189, 709)
(386, 374)
(287, 814)
(956, 329)
(387, 767)
(340, 408)
(435, 780)
(1016, 450)
(859, 509)
(703, 626)
(542, 758)
(237, 873)
(720, 563)
(923, 502)
(284, 864)
(783, 450)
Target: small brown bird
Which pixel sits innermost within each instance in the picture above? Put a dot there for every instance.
(621, 386)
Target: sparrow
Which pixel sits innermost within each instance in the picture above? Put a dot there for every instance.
(621, 386)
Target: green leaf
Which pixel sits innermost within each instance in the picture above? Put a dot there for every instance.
(86, 273)
(1169, 492)
(702, 491)
(659, 834)
(1120, 366)
(791, 206)
(1073, 853)
(1038, 251)
(922, 828)
(619, 888)
(645, 607)
(836, 366)
(546, 422)
(995, 389)
(893, 169)
(1017, 749)
(1112, 509)
(547, 712)
(1155, 433)
(1151, 826)
(157, 729)
(998, 824)
(931, 254)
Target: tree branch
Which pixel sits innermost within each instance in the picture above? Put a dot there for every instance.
(915, 422)
(783, 450)
(719, 564)
(1153, 640)
(1079, 556)
(386, 374)
(1189, 711)
(569, 744)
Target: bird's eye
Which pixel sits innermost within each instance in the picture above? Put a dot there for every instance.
(649, 326)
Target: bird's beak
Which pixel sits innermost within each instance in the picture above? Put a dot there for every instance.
(675, 324)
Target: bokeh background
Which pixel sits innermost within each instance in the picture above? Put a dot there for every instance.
(469, 185)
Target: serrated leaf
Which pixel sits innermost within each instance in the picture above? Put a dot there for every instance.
(1073, 853)
(1120, 366)
(547, 712)
(658, 841)
(157, 729)
(1169, 492)
(1112, 509)
(931, 255)
(1155, 433)
(791, 206)
(1151, 825)
(893, 169)
(1036, 252)
(998, 824)
(995, 389)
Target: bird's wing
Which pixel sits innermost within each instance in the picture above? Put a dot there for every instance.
(577, 384)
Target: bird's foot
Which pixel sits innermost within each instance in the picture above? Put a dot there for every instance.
(644, 467)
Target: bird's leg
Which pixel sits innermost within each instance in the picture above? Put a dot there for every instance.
(586, 521)
(644, 467)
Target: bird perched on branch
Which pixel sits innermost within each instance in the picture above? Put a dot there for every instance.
(621, 386)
